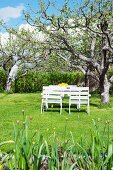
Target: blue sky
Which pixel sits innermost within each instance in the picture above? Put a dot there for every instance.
(11, 10)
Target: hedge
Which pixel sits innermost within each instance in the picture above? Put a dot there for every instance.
(33, 81)
(2, 80)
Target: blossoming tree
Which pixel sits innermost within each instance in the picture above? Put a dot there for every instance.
(81, 35)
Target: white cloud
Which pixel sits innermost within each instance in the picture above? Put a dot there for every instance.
(9, 12)
(26, 27)
(36, 34)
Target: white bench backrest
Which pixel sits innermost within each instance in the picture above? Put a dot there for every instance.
(80, 93)
(71, 90)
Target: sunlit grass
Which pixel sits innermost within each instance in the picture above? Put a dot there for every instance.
(78, 123)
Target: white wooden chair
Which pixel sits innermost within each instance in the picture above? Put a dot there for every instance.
(79, 96)
(49, 96)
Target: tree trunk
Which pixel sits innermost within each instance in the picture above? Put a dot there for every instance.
(104, 89)
(8, 84)
(11, 77)
(86, 80)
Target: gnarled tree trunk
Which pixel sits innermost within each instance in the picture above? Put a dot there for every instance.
(104, 89)
(11, 77)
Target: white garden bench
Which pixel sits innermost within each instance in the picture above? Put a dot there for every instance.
(53, 94)
(50, 96)
(79, 96)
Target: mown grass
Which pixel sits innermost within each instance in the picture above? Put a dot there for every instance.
(78, 123)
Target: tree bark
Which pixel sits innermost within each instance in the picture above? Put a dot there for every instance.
(11, 77)
(104, 89)
(8, 84)
(86, 80)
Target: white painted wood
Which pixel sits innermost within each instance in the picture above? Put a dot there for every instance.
(53, 94)
(49, 96)
(78, 96)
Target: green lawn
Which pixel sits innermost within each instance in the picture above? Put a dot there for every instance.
(79, 123)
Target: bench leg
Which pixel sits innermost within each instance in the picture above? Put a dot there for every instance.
(46, 106)
(78, 107)
(42, 108)
(69, 108)
(60, 108)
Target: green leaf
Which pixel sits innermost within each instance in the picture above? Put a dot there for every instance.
(7, 142)
(110, 153)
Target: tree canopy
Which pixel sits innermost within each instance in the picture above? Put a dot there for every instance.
(82, 36)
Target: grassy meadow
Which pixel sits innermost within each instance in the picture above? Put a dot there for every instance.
(79, 124)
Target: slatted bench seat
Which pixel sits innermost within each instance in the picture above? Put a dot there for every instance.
(79, 96)
(49, 96)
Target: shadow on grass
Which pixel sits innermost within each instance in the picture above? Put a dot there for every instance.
(94, 104)
(101, 106)
(75, 110)
(56, 107)
(52, 110)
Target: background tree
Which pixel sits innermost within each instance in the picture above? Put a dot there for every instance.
(23, 52)
(82, 36)
(20, 52)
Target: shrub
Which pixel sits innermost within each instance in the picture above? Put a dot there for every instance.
(2, 80)
(33, 81)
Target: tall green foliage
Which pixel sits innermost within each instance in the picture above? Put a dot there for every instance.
(33, 81)
(35, 152)
(2, 80)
